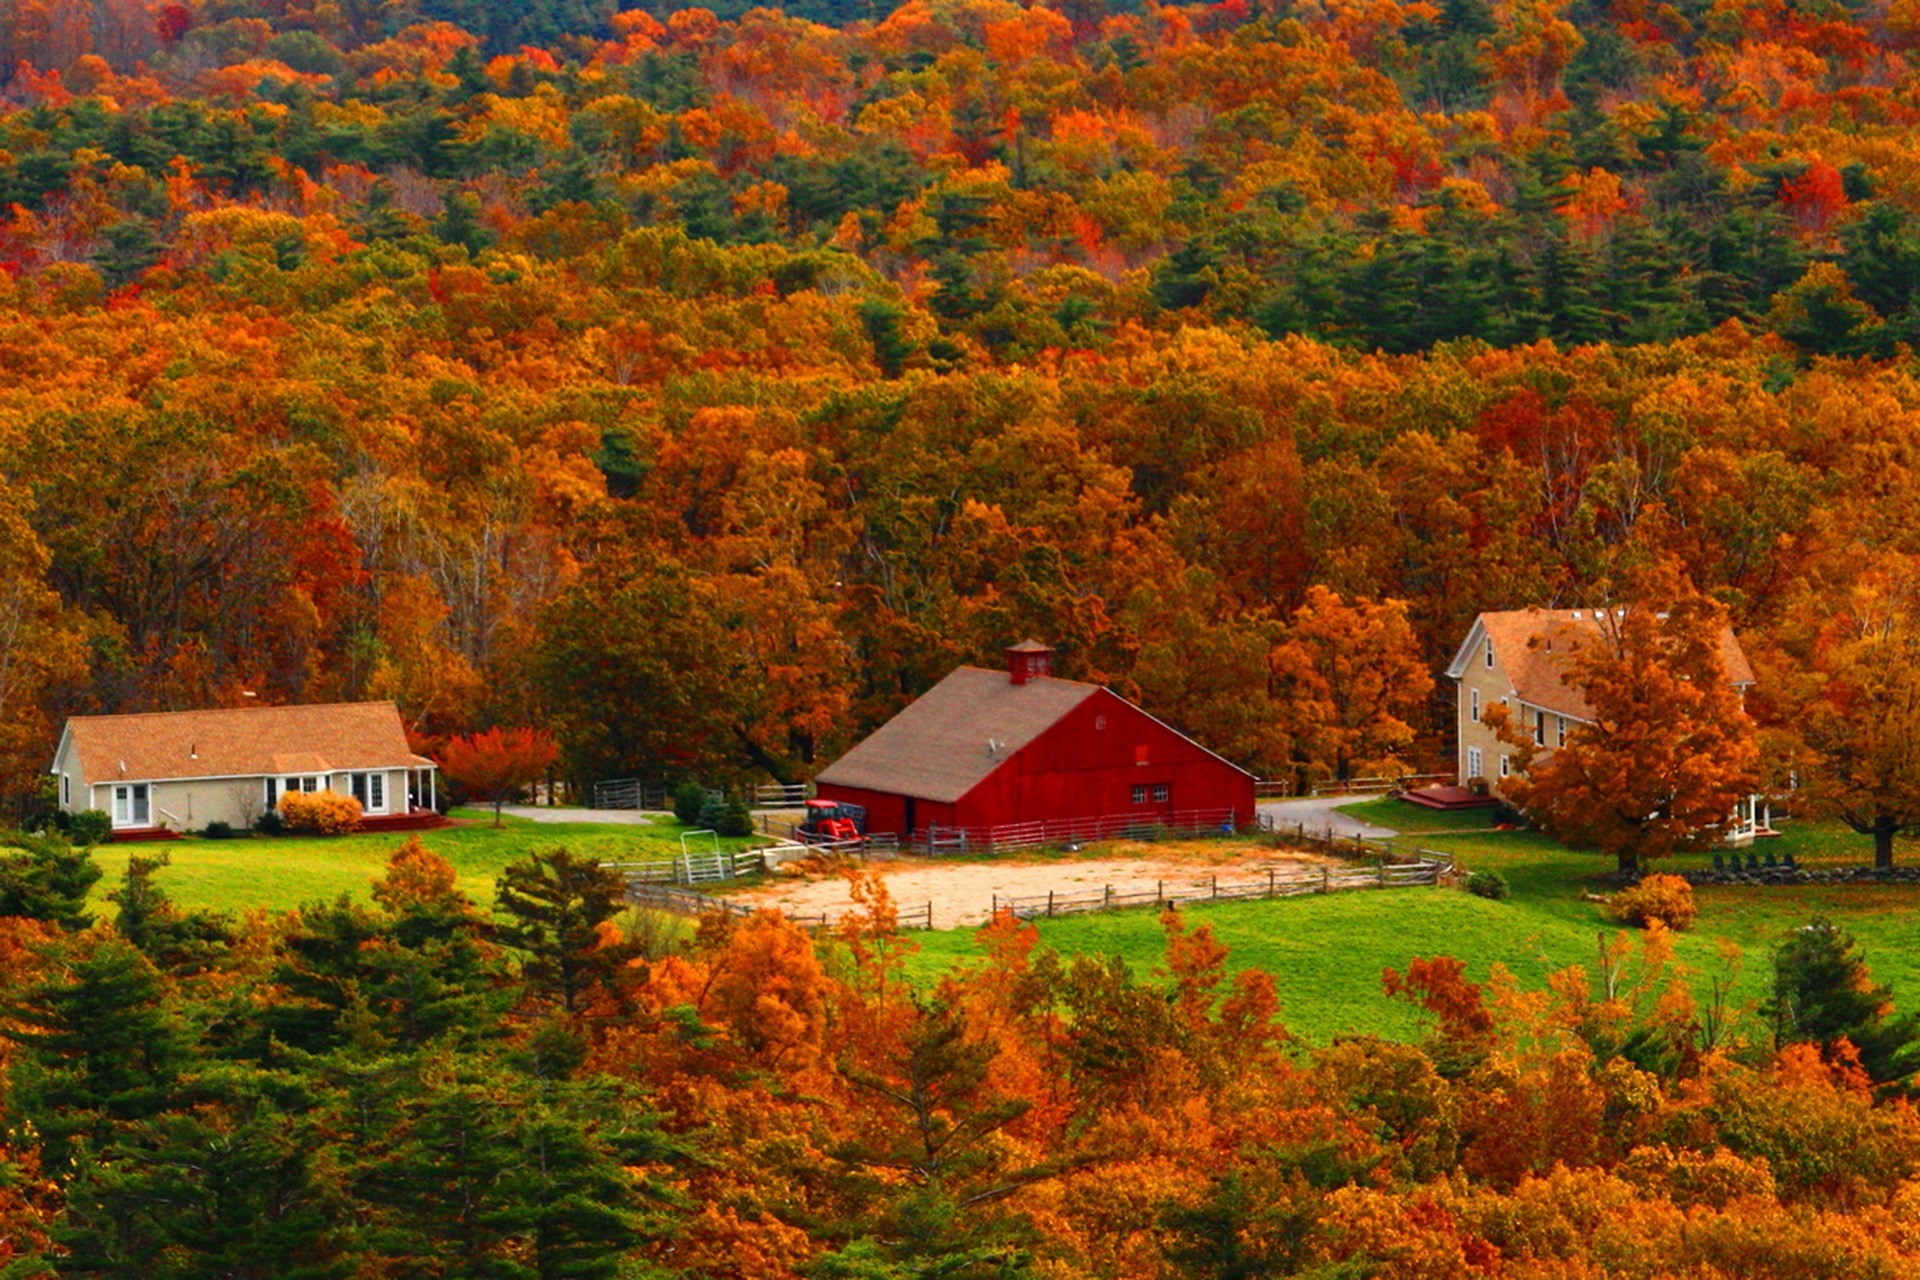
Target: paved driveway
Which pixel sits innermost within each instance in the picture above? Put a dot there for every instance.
(540, 813)
(1316, 813)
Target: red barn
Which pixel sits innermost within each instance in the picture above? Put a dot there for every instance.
(989, 749)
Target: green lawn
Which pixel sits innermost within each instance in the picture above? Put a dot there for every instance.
(284, 871)
(1326, 953)
(1398, 815)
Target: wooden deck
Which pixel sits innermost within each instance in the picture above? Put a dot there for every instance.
(143, 835)
(412, 820)
(1448, 798)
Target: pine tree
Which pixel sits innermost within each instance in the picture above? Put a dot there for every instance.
(1822, 992)
(101, 1047)
(555, 904)
(45, 878)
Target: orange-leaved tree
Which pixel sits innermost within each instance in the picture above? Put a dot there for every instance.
(1847, 690)
(499, 763)
(1352, 680)
(1670, 751)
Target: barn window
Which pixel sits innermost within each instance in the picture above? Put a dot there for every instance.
(1140, 754)
(1139, 795)
(1099, 722)
(1160, 793)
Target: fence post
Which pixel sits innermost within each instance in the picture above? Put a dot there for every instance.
(995, 913)
(1383, 873)
(1159, 893)
(1269, 882)
(1049, 904)
(1108, 904)
(1216, 886)
(1326, 879)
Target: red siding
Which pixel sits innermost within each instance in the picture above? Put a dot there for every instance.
(1085, 766)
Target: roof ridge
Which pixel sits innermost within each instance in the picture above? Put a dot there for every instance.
(247, 707)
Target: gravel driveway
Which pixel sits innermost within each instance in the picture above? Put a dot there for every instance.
(1317, 813)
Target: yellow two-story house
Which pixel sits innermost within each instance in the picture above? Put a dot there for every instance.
(1524, 659)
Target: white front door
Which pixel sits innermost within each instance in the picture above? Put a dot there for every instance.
(131, 805)
(370, 789)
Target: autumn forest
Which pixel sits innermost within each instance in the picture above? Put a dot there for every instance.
(703, 385)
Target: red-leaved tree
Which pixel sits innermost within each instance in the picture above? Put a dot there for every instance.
(498, 764)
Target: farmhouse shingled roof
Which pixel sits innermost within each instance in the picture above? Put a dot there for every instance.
(937, 748)
(1537, 648)
(242, 742)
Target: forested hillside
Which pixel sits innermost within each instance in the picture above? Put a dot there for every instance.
(706, 386)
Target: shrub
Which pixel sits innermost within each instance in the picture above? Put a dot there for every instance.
(270, 823)
(1487, 884)
(1668, 899)
(1505, 815)
(90, 827)
(218, 831)
(319, 813)
(688, 798)
(736, 819)
(710, 811)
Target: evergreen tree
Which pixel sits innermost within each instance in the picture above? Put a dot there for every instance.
(179, 942)
(1822, 992)
(555, 904)
(101, 1049)
(42, 877)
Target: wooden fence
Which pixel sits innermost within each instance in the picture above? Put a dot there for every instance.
(687, 902)
(782, 795)
(1380, 785)
(1426, 868)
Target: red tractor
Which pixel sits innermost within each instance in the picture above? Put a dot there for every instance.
(832, 820)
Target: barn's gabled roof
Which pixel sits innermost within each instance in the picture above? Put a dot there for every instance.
(948, 740)
(241, 742)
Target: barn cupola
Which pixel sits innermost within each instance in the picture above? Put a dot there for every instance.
(1028, 659)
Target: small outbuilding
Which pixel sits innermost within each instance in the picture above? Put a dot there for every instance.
(984, 752)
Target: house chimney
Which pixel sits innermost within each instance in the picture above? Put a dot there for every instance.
(1028, 659)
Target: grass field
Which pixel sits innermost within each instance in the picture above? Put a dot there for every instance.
(1326, 953)
(284, 871)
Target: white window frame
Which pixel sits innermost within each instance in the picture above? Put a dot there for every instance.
(1563, 732)
(1473, 705)
(1162, 793)
(1476, 763)
(1539, 727)
(1489, 653)
(66, 791)
(1505, 768)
